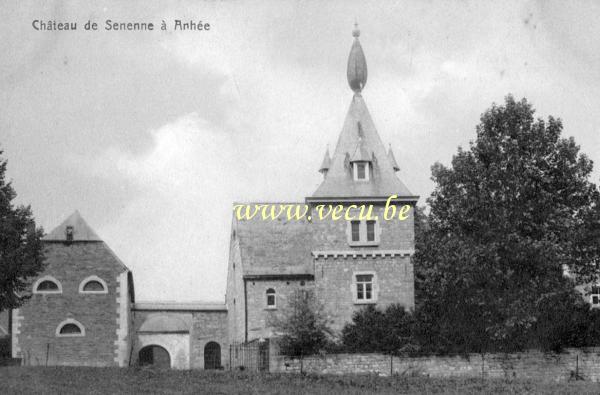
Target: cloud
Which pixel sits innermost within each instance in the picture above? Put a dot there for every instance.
(173, 233)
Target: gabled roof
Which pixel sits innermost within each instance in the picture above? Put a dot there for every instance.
(360, 152)
(339, 181)
(81, 230)
(278, 247)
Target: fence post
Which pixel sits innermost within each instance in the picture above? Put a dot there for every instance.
(391, 365)
(482, 367)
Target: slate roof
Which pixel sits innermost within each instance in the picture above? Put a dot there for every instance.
(278, 247)
(81, 230)
(339, 181)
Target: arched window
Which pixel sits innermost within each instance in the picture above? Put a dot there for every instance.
(93, 285)
(271, 299)
(70, 328)
(47, 285)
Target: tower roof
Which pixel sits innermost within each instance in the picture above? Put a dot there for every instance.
(339, 181)
(359, 141)
(81, 230)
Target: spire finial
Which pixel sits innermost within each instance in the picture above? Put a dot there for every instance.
(356, 31)
(357, 64)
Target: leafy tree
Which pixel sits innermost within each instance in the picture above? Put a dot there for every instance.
(303, 329)
(21, 251)
(373, 330)
(506, 218)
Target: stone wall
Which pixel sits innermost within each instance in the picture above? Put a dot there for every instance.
(259, 315)
(334, 270)
(395, 234)
(36, 322)
(335, 286)
(208, 326)
(532, 365)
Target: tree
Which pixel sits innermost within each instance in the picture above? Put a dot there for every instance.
(304, 328)
(373, 330)
(21, 250)
(506, 218)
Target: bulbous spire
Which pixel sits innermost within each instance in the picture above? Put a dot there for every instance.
(357, 64)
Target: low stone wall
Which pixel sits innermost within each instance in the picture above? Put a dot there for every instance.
(585, 363)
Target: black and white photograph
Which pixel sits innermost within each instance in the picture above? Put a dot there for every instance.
(300, 197)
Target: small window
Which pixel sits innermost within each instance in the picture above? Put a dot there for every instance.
(271, 298)
(355, 230)
(69, 233)
(47, 285)
(70, 328)
(595, 296)
(361, 171)
(93, 285)
(370, 230)
(364, 288)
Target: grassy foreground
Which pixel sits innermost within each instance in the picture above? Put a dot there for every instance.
(82, 380)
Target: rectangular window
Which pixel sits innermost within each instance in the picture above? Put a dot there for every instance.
(364, 287)
(361, 171)
(355, 230)
(370, 230)
(595, 296)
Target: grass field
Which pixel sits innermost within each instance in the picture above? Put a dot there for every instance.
(80, 380)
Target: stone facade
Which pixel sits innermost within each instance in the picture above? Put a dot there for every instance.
(585, 363)
(260, 316)
(36, 325)
(183, 330)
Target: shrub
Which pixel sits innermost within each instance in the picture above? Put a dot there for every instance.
(373, 330)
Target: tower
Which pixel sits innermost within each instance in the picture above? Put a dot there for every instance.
(364, 260)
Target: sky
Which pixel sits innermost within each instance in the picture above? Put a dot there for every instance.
(153, 135)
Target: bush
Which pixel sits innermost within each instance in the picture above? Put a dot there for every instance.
(371, 330)
(303, 330)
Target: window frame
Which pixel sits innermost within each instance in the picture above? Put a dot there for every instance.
(355, 171)
(271, 292)
(86, 280)
(363, 233)
(374, 287)
(70, 321)
(595, 294)
(43, 292)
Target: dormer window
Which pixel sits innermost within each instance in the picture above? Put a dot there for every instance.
(361, 171)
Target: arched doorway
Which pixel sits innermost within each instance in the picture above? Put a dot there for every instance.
(212, 356)
(154, 355)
